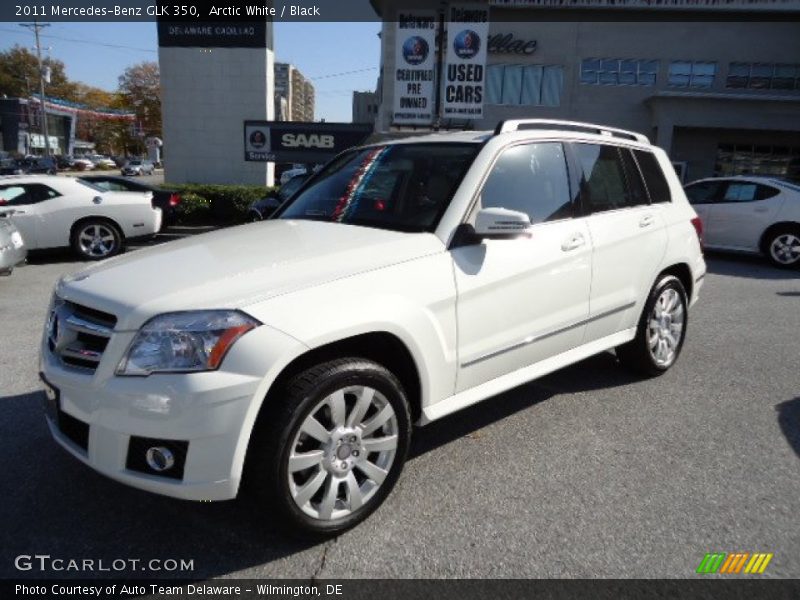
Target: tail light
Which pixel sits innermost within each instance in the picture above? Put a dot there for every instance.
(174, 199)
(698, 227)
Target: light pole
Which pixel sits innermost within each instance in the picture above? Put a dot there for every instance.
(35, 27)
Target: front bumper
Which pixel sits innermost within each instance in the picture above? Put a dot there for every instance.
(212, 412)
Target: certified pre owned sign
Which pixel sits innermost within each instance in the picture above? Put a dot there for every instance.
(282, 141)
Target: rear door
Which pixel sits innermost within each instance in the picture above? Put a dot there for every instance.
(629, 236)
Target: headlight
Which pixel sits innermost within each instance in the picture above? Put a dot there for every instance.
(184, 342)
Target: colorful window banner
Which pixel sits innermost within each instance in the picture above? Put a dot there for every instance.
(415, 59)
(465, 64)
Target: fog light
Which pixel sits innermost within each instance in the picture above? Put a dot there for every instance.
(160, 459)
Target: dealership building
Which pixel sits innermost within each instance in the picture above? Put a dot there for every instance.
(718, 89)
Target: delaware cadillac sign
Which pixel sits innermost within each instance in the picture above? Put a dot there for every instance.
(283, 141)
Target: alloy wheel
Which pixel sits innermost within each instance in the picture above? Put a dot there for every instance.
(785, 249)
(665, 327)
(342, 453)
(97, 240)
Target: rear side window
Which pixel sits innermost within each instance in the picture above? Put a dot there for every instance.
(530, 178)
(605, 185)
(740, 192)
(654, 178)
(39, 192)
(763, 192)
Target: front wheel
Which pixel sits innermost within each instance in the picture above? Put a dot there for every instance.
(783, 247)
(330, 453)
(661, 330)
(96, 240)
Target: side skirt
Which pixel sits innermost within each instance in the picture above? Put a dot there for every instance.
(524, 375)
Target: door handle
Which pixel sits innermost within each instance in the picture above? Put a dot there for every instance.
(760, 210)
(19, 212)
(647, 221)
(576, 240)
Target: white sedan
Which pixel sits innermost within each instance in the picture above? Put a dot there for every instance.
(750, 214)
(53, 212)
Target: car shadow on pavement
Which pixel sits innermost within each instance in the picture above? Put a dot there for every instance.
(597, 372)
(789, 421)
(747, 266)
(55, 505)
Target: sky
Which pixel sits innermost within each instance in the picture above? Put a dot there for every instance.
(97, 53)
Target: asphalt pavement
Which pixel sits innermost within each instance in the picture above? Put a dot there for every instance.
(589, 472)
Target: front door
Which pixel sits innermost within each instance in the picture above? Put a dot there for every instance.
(525, 299)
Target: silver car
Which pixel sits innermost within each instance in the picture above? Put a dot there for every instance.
(138, 167)
(12, 246)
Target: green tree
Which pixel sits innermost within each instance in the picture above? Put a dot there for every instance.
(19, 75)
(140, 87)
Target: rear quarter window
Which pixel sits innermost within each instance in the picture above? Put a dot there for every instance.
(654, 179)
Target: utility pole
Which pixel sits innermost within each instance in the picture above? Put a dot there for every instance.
(35, 27)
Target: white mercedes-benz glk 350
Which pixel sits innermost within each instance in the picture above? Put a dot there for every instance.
(404, 281)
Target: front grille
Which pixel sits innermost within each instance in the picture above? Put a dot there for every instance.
(78, 335)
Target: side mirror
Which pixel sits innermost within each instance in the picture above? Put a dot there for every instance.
(501, 222)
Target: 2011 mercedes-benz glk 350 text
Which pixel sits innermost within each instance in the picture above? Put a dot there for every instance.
(402, 282)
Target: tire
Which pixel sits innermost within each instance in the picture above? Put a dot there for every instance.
(661, 330)
(361, 457)
(782, 247)
(96, 239)
(254, 217)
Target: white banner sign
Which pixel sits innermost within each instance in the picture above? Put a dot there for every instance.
(465, 65)
(415, 55)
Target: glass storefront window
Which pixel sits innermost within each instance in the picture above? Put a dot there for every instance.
(692, 74)
(763, 76)
(616, 71)
(529, 85)
(750, 159)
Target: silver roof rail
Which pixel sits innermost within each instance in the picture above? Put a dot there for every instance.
(517, 124)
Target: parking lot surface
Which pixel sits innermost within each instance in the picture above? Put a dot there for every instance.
(589, 472)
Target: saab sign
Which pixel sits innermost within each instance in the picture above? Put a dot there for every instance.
(282, 141)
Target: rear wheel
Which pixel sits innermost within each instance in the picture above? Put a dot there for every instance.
(95, 239)
(330, 453)
(783, 247)
(661, 330)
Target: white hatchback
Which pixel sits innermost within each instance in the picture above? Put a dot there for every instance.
(750, 214)
(53, 212)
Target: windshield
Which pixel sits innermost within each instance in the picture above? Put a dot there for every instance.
(403, 187)
(290, 187)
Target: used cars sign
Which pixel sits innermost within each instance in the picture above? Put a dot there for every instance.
(281, 141)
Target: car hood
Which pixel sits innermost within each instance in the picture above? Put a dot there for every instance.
(237, 267)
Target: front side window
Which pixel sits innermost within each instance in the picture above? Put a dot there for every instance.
(14, 195)
(704, 192)
(605, 185)
(533, 179)
(402, 187)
